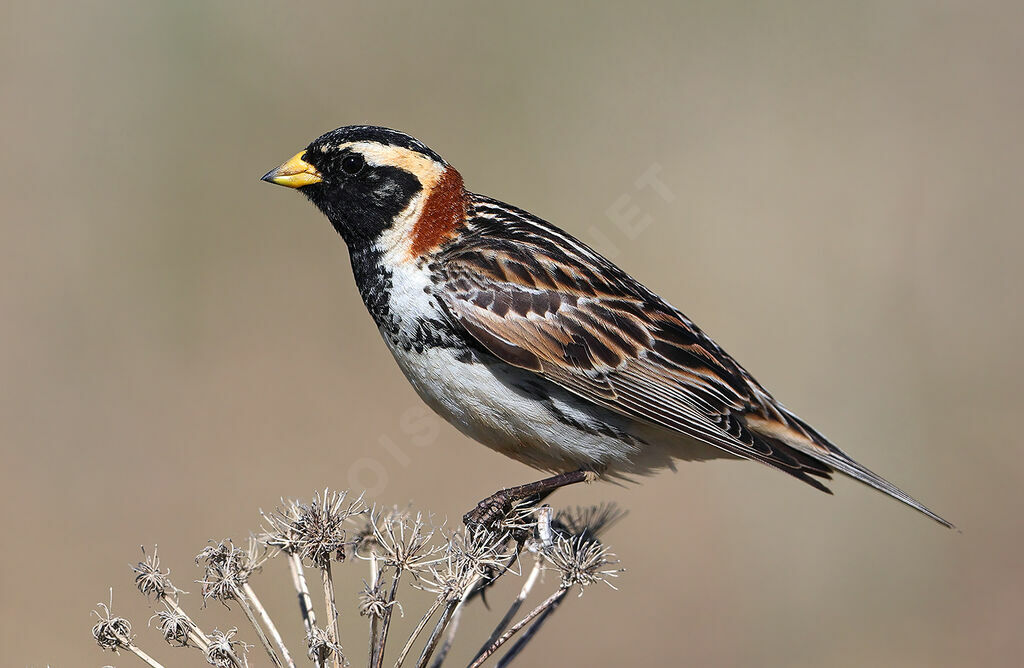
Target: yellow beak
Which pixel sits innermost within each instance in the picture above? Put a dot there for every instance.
(294, 173)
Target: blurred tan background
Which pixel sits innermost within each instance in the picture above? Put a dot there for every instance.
(181, 344)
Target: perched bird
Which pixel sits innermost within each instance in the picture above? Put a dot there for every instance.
(532, 343)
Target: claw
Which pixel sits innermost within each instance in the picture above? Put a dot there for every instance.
(488, 512)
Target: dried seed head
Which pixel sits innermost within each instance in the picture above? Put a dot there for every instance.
(227, 568)
(111, 632)
(224, 648)
(364, 538)
(520, 520)
(283, 529)
(373, 601)
(470, 555)
(448, 579)
(591, 521)
(481, 549)
(402, 540)
(321, 647)
(150, 580)
(315, 531)
(174, 626)
(581, 560)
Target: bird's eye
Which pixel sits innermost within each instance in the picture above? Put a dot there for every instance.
(353, 164)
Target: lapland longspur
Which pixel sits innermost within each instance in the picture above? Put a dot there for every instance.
(530, 342)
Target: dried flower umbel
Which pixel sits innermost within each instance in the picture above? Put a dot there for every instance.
(224, 649)
(401, 548)
(174, 627)
(582, 560)
(317, 531)
(150, 580)
(114, 633)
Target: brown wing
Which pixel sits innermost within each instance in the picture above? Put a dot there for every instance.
(562, 311)
(540, 300)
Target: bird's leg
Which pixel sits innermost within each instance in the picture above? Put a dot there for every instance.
(500, 503)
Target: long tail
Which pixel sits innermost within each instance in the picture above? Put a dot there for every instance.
(808, 442)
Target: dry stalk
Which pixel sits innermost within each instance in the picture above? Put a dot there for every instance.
(513, 609)
(435, 635)
(250, 614)
(374, 619)
(549, 602)
(299, 582)
(333, 631)
(419, 629)
(449, 637)
(385, 623)
(403, 552)
(268, 622)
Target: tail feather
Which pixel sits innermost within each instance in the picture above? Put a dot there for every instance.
(840, 461)
(810, 444)
(785, 458)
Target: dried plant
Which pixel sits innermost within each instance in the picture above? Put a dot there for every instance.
(399, 547)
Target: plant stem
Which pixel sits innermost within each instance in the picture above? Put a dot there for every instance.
(442, 623)
(528, 635)
(305, 602)
(269, 623)
(550, 601)
(251, 616)
(386, 622)
(134, 649)
(513, 609)
(419, 629)
(449, 638)
(332, 612)
(435, 635)
(374, 622)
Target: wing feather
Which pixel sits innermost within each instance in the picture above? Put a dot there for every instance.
(540, 300)
(563, 312)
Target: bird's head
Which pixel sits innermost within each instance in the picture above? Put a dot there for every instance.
(377, 184)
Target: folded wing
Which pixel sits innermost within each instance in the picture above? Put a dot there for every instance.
(542, 301)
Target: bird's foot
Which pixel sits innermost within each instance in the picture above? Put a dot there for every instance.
(489, 512)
